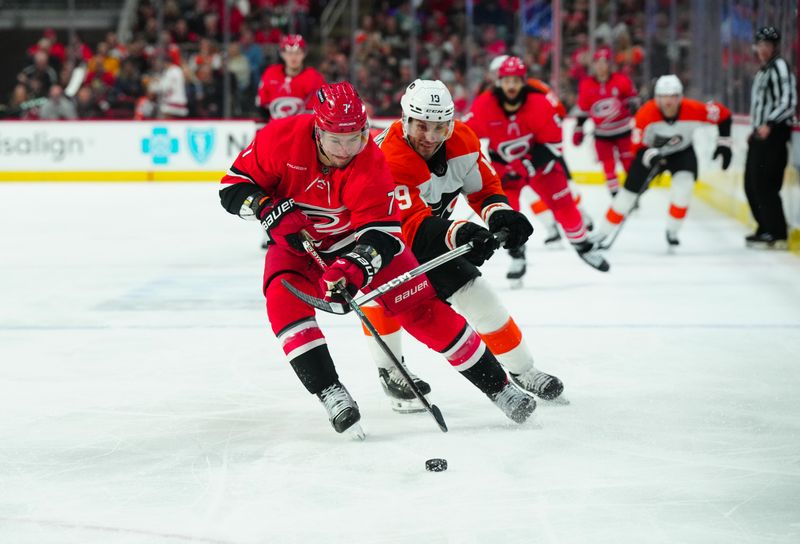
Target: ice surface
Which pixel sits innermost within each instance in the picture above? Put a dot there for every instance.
(144, 400)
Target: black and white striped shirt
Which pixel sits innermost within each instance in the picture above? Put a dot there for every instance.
(773, 98)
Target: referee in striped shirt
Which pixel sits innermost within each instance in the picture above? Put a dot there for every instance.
(772, 106)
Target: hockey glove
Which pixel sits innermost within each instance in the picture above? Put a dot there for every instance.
(284, 222)
(351, 271)
(577, 137)
(518, 226)
(483, 243)
(723, 150)
(650, 157)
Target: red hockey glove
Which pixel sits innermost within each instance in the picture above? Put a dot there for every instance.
(351, 271)
(518, 226)
(284, 222)
(577, 137)
(483, 243)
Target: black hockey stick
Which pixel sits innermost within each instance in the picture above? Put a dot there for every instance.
(342, 291)
(654, 171)
(338, 308)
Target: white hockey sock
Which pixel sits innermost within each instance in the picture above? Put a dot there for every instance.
(680, 196)
(485, 312)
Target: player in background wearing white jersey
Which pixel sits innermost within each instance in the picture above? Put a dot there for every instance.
(662, 142)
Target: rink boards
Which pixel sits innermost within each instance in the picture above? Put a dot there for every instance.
(201, 150)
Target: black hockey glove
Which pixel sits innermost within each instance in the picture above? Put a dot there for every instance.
(518, 226)
(483, 243)
(723, 150)
(283, 222)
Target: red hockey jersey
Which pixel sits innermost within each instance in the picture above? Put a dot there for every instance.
(511, 136)
(343, 203)
(653, 130)
(607, 103)
(423, 191)
(285, 95)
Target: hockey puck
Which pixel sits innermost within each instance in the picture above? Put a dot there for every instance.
(436, 465)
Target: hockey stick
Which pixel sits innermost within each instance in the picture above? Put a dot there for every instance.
(338, 308)
(342, 291)
(654, 171)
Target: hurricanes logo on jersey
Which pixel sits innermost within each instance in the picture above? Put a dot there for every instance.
(606, 108)
(517, 148)
(285, 106)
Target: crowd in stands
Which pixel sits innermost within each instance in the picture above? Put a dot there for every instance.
(125, 80)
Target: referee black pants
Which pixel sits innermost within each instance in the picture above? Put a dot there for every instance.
(763, 178)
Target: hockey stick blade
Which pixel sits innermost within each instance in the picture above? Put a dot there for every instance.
(318, 303)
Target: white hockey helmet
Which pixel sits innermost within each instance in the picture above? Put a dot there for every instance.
(428, 100)
(496, 63)
(668, 85)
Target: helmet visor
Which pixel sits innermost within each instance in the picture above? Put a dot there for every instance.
(343, 144)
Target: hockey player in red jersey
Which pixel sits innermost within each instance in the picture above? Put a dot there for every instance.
(538, 207)
(662, 141)
(524, 136)
(287, 88)
(434, 159)
(609, 99)
(322, 175)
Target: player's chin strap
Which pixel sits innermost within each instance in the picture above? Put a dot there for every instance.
(432, 409)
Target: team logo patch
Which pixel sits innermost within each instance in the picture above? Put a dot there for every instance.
(606, 107)
(514, 149)
(200, 142)
(285, 106)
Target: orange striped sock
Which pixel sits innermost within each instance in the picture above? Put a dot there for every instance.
(503, 339)
(382, 322)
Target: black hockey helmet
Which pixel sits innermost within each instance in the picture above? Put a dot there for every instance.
(768, 34)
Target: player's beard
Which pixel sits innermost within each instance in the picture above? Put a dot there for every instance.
(501, 96)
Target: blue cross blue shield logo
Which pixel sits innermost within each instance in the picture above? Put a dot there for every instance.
(200, 142)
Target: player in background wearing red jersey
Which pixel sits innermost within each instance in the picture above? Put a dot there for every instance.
(434, 159)
(662, 141)
(538, 207)
(524, 135)
(610, 100)
(287, 88)
(323, 176)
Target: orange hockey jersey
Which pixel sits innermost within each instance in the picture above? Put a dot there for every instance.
(426, 191)
(672, 136)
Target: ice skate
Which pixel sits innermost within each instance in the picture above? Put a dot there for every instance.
(765, 241)
(517, 268)
(342, 409)
(541, 384)
(401, 398)
(515, 403)
(589, 252)
(672, 239)
(552, 235)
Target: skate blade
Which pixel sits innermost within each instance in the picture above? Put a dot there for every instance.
(779, 245)
(412, 406)
(356, 432)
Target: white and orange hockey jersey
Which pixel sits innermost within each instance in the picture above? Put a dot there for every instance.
(671, 136)
(426, 191)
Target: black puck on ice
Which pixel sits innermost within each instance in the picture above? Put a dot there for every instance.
(436, 465)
